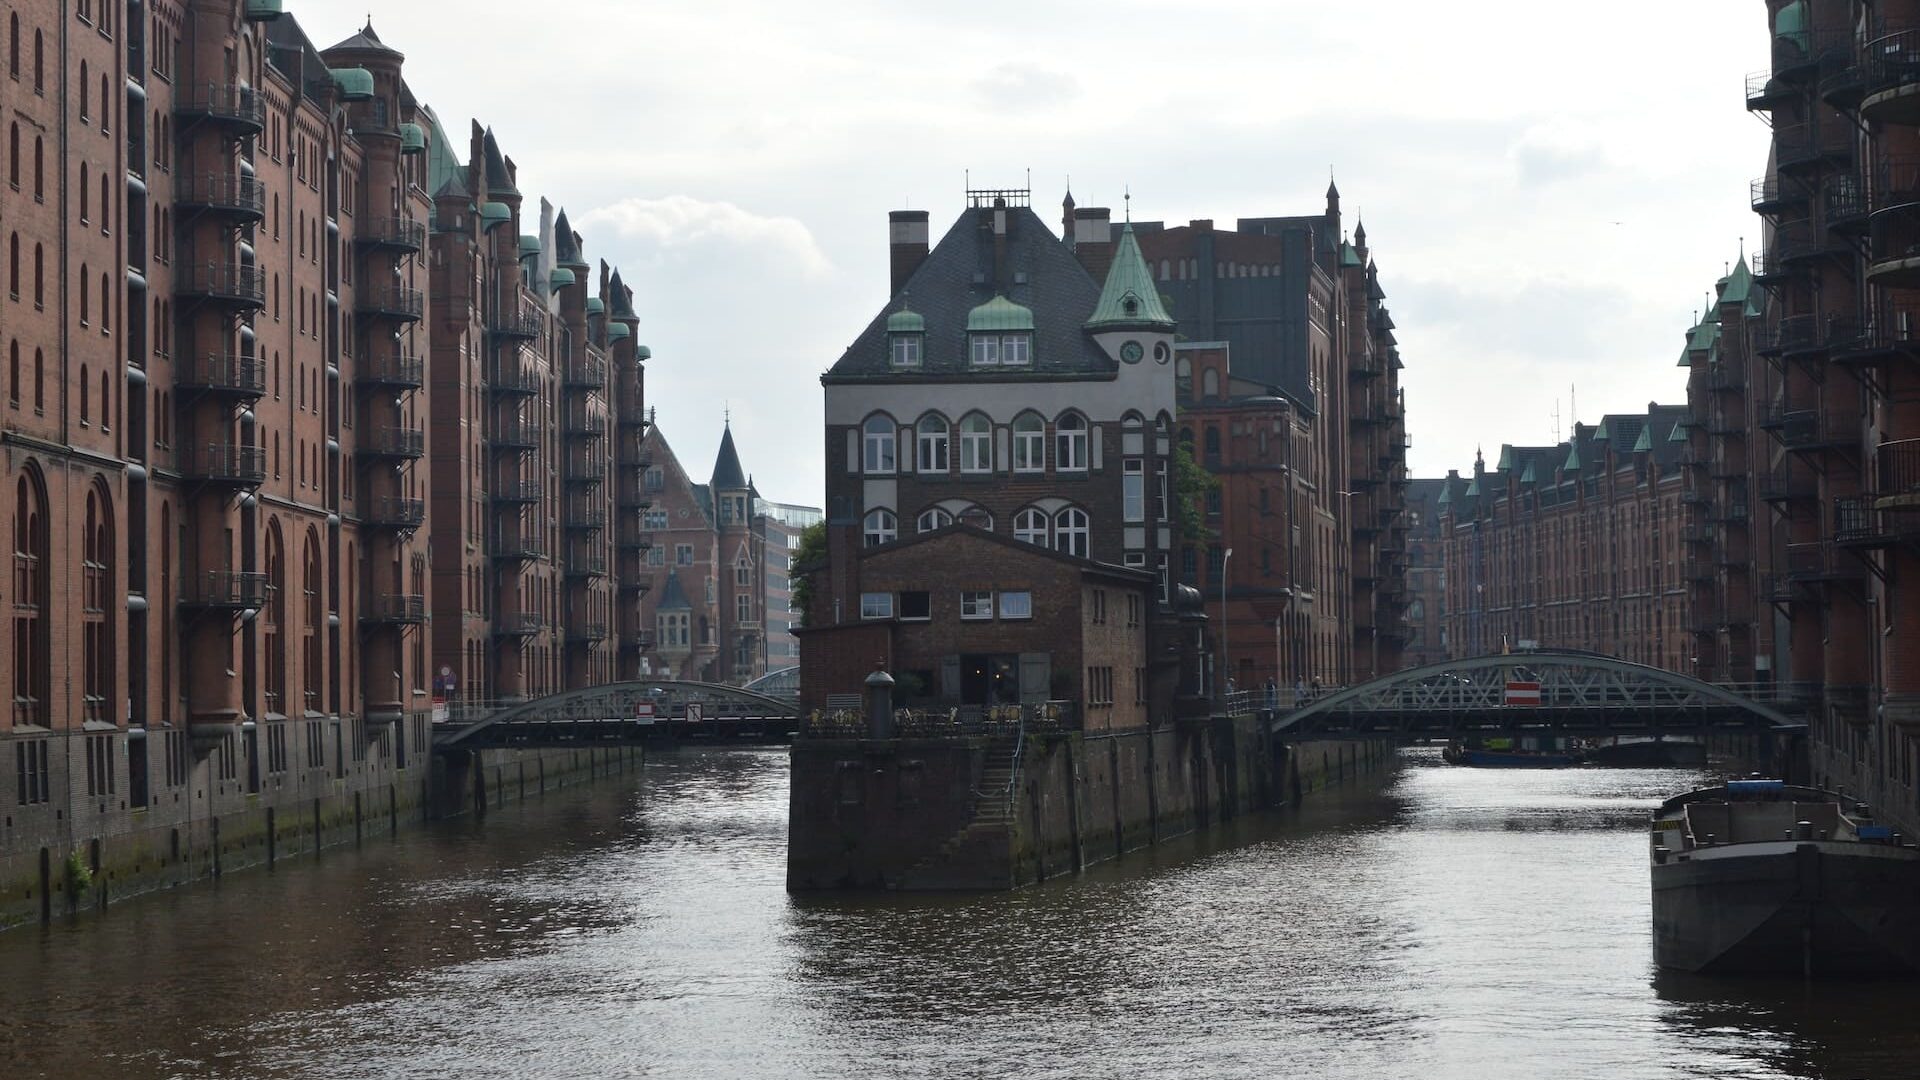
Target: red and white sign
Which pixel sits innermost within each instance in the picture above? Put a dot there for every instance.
(643, 710)
(1523, 693)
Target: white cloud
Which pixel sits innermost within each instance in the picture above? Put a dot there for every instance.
(1025, 85)
(678, 224)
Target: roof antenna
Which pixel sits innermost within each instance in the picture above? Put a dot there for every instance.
(1128, 198)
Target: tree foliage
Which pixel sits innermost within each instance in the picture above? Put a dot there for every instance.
(1191, 485)
(809, 558)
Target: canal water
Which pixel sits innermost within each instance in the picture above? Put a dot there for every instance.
(1443, 923)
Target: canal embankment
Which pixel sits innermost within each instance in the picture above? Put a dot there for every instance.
(93, 851)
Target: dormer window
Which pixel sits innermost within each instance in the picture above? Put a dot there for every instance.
(906, 333)
(1000, 334)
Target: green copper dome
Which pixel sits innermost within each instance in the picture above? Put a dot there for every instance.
(495, 213)
(618, 331)
(596, 306)
(906, 321)
(641, 352)
(355, 84)
(560, 278)
(413, 139)
(264, 10)
(997, 314)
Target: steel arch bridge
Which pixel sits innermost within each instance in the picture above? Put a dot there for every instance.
(614, 715)
(1586, 694)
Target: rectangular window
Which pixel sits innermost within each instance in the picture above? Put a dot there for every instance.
(1016, 605)
(916, 606)
(906, 350)
(986, 350)
(1016, 350)
(743, 608)
(1133, 489)
(657, 556)
(683, 554)
(876, 605)
(976, 605)
(743, 575)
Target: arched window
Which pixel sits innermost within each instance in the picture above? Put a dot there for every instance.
(39, 169)
(39, 381)
(881, 528)
(312, 672)
(13, 266)
(32, 646)
(1030, 526)
(106, 401)
(13, 155)
(1029, 443)
(97, 599)
(86, 290)
(879, 446)
(1210, 384)
(932, 444)
(933, 517)
(13, 46)
(1213, 443)
(1070, 443)
(106, 305)
(976, 444)
(273, 621)
(13, 374)
(39, 276)
(1070, 531)
(85, 90)
(976, 517)
(86, 386)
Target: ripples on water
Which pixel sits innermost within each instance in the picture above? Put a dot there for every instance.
(1447, 923)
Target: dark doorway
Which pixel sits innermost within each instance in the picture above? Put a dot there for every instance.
(990, 679)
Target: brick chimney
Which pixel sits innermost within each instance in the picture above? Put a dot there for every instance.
(1093, 239)
(906, 244)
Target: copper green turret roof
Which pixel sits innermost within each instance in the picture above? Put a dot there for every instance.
(999, 313)
(444, 169)
(1645, 443)
(366, 41)
(1129, 300)
(1573, 456)
(1739, 283)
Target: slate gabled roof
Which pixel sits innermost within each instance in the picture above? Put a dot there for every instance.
(672, 596)
(1040, 274)
(366, 40)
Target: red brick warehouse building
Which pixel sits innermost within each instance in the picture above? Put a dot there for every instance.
(1289, 389)
(255, 300)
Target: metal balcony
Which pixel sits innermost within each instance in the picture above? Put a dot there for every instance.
(223, 590)
(1821, 562)
(638, 639)
(240, 199)
(1887, 334)
(1890, 93)
(587, 373)
(1771, 195)
(1731, 513)
(518, 491)
(238, 110)
(519, 624)
(397, 512)
(1804, 148)
(395, 302)
(516, 435)
(628, 410)
(586, 565)
(1898, 487)
(641, 585)
(397, 370)
(395, 609)
(240, 377)
(519, 323)
(1726, 379)
(519, 546)
(586, 469)
(513, 375)
(1845, 204)
(588, 632)
(389, 233)
(591, 425)
(1806, 430)
(225, 463)
(403, 443)
(1784, 484)
(230, 284)
(586, 518)
(633, 540)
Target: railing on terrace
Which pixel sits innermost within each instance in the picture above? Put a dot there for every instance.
(1899, 467)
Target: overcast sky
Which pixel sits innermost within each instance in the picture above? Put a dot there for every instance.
(1549, 191)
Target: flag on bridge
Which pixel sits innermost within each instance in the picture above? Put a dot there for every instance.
(1523, 693)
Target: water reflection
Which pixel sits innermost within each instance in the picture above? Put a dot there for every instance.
(1444, 923)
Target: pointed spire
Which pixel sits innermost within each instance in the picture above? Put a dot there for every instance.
(1333, 195)
(499, 180)
(1129, 298)
(619, 302)
(727, 473)
(566, 246)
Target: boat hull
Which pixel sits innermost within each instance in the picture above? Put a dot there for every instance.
(1648, 754)
(1839, 908)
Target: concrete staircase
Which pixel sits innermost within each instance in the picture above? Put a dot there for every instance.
(988, 828)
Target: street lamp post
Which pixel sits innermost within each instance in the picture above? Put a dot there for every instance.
(1225, 653)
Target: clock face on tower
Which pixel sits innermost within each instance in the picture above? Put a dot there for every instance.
(1130, 352)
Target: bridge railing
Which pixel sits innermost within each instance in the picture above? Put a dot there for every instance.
(957, 721)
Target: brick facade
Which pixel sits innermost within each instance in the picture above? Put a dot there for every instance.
(302, 411)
